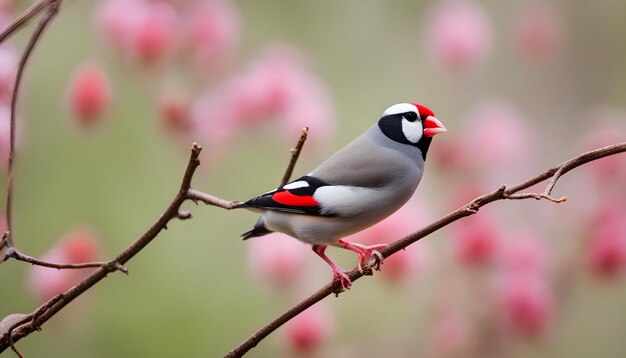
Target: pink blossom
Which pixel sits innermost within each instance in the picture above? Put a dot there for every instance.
(7, 6)
(152, 39)
(308, 330)
(476, 240)
(525, 252)
(89, 94)
(451, 334)
(118, 19)
(143, 30)
(210, 32)
(527, 303)
(449, 154)
(605, 131)
(175, 113)
(277, 259)
(213, 115)
(459, 33)
(276, 86)
(8, 70)
(497, 137)
(77, 246)
(539, 31)
(606, 248)
(310, 106)
(268, 84)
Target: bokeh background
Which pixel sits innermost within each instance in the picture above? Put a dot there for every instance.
(117, 91)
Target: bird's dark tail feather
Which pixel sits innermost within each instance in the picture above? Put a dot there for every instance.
(259, 229)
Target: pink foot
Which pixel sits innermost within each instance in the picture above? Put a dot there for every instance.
(339, 275)
(366, 253)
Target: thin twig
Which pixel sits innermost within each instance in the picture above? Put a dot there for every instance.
(14, 253)
(195, 196)
(536, 196)
(295, 154)
(53, 9)
(469, 209)
(23, 19)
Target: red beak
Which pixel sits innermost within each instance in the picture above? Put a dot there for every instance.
(432, 126)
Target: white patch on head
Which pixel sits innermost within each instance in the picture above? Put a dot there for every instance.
(400, 108)
(412, 130)
(296, 185)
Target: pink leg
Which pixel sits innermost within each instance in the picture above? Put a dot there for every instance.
(365, 253)
(338, 273)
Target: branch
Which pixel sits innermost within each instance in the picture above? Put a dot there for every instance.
(295, 154)
(14, 253)
(23, 19)
(33, 321)
(503, 193)
(53, 9)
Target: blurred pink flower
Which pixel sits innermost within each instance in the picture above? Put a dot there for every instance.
(309, 330)
(213, 116)
(539, 32)
(143, 31)
(153, 37)
(8, 71)
(277, 259)
(603, 133)
(404, 263)
(527, 303)
(89, 94)
(459, 33)
(210, 32)
(476, 239)
(276, 86)
(77, 246)
(7, 6)
(451, 336)
(175, 113)
(448, 155)
(497, 137)
(606, 247)
(310, 106)
(117, 19)
(525, 252)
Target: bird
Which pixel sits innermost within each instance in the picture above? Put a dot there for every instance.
(358, 186)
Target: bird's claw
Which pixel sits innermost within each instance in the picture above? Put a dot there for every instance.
(378, 260)
(341, 282)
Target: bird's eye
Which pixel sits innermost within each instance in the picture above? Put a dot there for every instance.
(410, 116)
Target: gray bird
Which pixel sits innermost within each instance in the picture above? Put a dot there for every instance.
(360, 185)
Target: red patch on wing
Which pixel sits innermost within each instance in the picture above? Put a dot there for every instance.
(286, 198)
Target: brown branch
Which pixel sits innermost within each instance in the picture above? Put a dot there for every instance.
(195, 196)
(33, 321)
(470, 208)
(53, 9)
(295, 154)
(23, 19)
(14, 253)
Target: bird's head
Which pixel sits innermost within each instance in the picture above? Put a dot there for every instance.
(410, 123)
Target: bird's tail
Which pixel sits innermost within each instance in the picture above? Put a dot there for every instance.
(259, 229)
